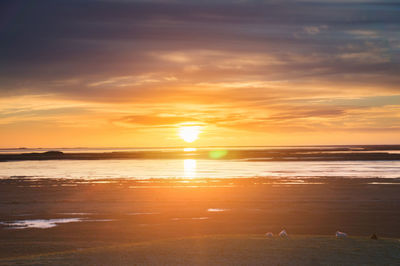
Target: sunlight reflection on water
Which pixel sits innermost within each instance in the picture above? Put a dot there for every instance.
(47, 223)
(39, 223)
(216, 210)
(191, 168)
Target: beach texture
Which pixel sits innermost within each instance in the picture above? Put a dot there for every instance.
(214, 222)
(227, 250)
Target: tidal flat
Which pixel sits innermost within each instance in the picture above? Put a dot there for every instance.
(111, 213)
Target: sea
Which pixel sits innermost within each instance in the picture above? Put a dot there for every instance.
(190, 167)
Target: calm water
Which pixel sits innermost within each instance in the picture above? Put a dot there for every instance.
(189, 168)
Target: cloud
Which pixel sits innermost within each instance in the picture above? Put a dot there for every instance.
(157, 120)
(248, 65)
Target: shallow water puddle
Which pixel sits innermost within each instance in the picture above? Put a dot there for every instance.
(217, 210)
(143, 213)
(39, 223)
(46, 223)
(76, 213)
(193, 218)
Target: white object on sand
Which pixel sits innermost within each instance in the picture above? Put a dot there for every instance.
(269, 235)
(340, 234)
(283, 234)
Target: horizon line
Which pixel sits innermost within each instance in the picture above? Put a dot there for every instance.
(208, 146)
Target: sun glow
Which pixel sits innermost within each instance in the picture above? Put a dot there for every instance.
(189, 133)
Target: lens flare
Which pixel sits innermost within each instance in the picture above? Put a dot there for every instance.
(217, 154)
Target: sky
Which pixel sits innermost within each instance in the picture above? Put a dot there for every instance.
(129, 73)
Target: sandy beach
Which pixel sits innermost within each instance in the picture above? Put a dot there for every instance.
(124, 212)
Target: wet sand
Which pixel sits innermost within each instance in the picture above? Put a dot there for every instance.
(128, 211)
(227, 250)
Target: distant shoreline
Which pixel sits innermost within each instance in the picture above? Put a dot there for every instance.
(313, 153)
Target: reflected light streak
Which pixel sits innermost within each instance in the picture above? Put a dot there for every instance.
(189, 168)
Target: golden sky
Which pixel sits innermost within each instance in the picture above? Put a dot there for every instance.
(130, 73)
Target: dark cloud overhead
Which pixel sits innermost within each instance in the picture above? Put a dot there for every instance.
(68, 38)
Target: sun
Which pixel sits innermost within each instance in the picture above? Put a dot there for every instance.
(189, 133)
